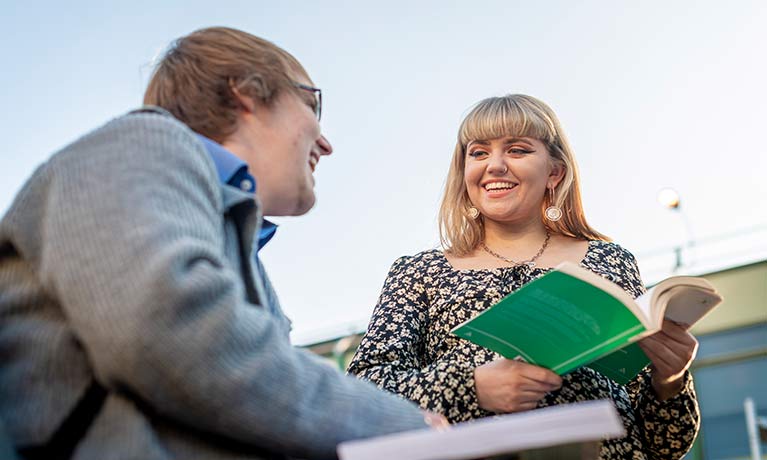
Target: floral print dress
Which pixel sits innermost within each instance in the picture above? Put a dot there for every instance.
(408, 349)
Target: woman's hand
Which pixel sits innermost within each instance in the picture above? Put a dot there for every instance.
(671, 351)
(505, 386)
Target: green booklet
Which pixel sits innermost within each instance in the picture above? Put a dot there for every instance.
(571, 317)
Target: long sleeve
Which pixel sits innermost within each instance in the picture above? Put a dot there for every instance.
(133, 247)
(668, 427)
(393, 353)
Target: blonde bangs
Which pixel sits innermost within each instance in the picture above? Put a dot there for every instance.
(498, 117)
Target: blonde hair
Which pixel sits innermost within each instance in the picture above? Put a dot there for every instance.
(515, 115)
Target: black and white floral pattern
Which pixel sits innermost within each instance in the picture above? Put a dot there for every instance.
(409, 350)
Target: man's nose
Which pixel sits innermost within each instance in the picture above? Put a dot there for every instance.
(324, 144)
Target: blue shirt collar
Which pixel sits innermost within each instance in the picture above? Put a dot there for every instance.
(228, 164)
(233, 171)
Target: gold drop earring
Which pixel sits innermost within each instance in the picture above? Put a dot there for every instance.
(553, 212)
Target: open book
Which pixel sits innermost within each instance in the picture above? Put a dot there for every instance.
(560, 432)
(572, 317)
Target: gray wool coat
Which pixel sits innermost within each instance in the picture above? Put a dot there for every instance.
(124, 260)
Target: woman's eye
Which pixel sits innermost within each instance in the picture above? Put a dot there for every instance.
(519, 151)
(477, 153)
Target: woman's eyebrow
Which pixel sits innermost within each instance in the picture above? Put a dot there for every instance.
(477, 142)
(515, 140)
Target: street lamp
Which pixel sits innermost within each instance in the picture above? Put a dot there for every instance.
(669, 198)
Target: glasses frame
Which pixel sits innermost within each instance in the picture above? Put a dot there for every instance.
(317, 93)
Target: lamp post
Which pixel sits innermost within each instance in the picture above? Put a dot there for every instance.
(757, 428)
(669, 198)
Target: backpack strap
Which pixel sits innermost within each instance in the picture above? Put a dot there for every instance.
(72, 430)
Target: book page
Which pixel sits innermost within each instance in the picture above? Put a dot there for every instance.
(689, 297)
(683, 299)
(688, 304)
(551, 426)
(645, 303)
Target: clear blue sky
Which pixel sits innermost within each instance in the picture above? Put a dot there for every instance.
(652, 94)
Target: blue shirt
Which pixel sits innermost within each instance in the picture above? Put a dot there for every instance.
(233, 171)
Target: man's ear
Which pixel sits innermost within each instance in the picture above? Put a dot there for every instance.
(246, 102)
(557, 174)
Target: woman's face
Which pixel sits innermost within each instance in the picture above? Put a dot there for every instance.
(506, 178)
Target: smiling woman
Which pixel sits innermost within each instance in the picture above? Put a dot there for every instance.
(500, 169)
(525, 126)
(511, 211)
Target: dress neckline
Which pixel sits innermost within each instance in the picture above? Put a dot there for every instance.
(522, 267)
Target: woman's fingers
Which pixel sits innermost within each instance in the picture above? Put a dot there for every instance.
(538, 375)
(671, 351)
(678, 333)
(674, 349)
(659, 353)
(505, 385)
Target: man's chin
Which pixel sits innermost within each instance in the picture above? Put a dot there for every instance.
(303, 205)
(294, 207)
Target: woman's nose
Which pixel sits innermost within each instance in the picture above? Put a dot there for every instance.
(496, 165)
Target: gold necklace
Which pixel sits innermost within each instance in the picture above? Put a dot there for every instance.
(530, 262)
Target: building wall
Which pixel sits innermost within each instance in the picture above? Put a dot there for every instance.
(745, 299)
(731, 366)
(732, 363)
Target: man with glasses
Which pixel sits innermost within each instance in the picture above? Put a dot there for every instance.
(136, 320)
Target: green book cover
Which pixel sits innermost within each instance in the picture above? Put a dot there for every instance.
(559, 322)
(623, 364)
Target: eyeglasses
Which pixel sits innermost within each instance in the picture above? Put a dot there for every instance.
(317, 93)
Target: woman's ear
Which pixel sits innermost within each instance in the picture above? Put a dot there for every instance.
(556, 175)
